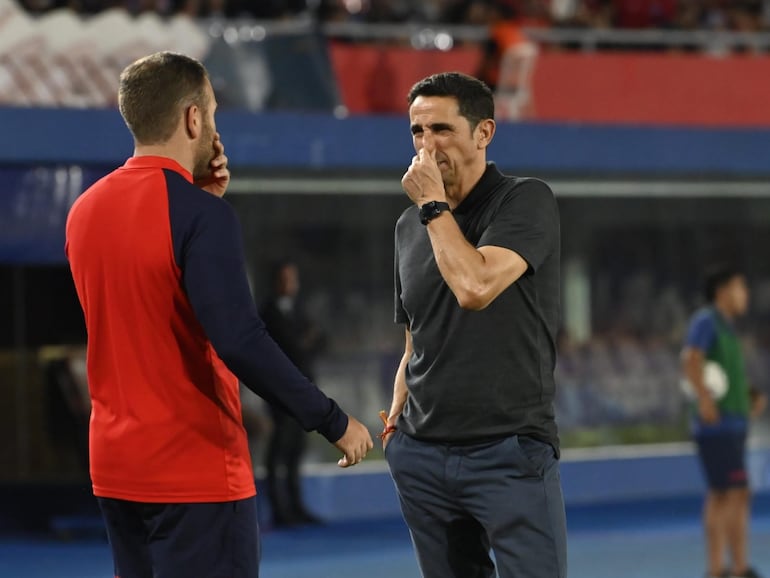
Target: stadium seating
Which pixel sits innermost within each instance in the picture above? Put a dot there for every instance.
(64, 59)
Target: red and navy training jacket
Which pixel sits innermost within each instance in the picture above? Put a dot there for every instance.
(159, 270)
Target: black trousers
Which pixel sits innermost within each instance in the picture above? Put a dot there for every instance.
(206, 540)
(461, 501)
(723, 459)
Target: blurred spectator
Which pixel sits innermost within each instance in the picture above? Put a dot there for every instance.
(739, 15)
(301, 341)
(534, 13)
(332, 11)
(384, 10)
(69, 405)
(689, 15)
(194, 8)
(644, 13)
(745, 15)
(82, 6)
(582, 13)
(509, 57)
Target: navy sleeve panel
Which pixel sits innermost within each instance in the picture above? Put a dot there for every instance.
(208, 250)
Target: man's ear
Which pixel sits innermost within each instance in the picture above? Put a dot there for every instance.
(485, 132)
(192, 121)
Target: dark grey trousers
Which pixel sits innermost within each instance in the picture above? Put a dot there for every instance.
(461, 501)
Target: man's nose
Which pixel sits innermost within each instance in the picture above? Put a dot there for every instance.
(429, 140)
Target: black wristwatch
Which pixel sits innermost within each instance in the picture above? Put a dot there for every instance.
(431, 210)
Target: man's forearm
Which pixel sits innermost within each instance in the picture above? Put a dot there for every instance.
(460, 263)
(241, 340)
(693, 370)
(400, 391)
(695, 377)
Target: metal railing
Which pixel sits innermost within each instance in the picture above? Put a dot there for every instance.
(445, 37)
(706, 40)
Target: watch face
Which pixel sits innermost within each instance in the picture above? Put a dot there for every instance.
(431, 210)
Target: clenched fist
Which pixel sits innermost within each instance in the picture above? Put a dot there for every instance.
(422, 180)
(355, 444)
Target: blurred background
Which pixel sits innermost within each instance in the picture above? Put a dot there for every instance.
(649, 119)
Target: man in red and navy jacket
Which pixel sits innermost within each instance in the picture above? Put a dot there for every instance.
(157, 260)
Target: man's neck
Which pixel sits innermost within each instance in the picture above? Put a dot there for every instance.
(458, 192)
(166, 150)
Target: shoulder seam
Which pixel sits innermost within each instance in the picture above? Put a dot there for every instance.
(194, 189)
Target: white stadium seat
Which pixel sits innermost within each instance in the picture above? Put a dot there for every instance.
(61, 59)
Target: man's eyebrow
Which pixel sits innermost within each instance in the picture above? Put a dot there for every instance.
(435, 127)
(439, 126)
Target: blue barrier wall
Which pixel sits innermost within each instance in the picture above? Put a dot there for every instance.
(34, 203)
(49, 156)
(587, 481)
(656, 483)
(308, 141)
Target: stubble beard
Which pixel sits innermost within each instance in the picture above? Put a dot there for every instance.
(204, 155)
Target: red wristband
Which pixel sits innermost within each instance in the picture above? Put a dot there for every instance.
(389, 429)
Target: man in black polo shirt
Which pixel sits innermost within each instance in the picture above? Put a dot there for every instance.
(470, 439)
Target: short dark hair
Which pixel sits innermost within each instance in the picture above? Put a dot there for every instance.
(717, 276)
(155, 89)
(474, 98)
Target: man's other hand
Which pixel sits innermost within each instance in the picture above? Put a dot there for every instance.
(355, 444)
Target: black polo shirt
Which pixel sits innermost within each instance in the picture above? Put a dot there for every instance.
(480, 375)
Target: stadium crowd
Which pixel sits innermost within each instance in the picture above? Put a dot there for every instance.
(739, 15)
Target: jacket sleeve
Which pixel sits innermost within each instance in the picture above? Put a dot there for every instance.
(210, 256)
